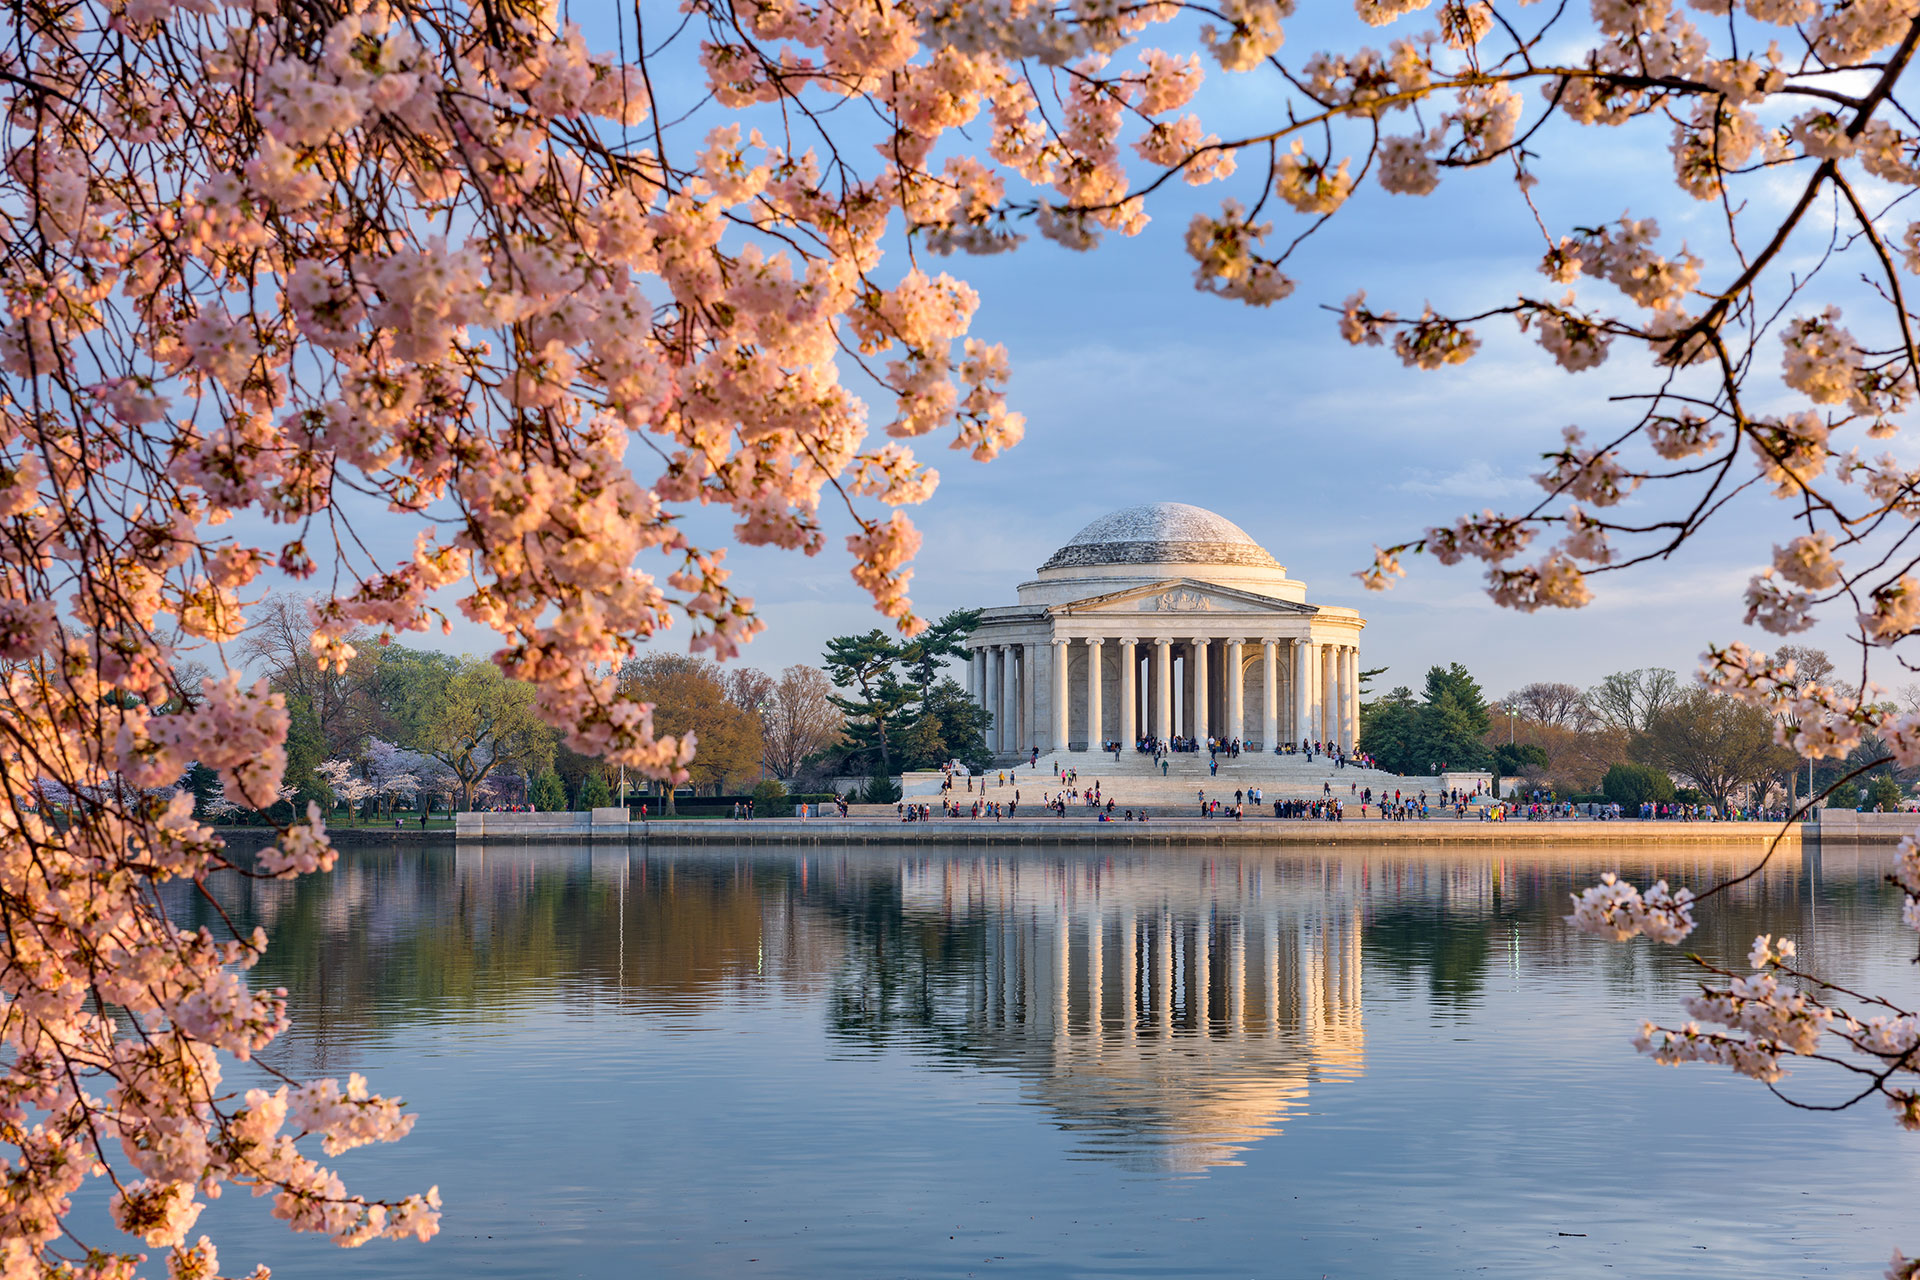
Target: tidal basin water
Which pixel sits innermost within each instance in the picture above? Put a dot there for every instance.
(953, 1063)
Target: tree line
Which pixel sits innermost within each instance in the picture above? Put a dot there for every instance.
(1635, 736)
(403, 726)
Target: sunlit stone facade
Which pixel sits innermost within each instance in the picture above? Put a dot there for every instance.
(1165, 620)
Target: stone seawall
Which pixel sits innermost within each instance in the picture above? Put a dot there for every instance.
(1844, 826)
(1159, 831)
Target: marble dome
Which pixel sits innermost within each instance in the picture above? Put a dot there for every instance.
(1161, 533)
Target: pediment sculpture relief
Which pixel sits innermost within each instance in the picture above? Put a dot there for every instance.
(1182, 602)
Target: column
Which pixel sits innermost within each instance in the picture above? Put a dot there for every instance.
(1269, 695)
(1346, 689)
(995, 701)
(1336, 685)
(978, 671)
(1183, 717)
(1311, 716)
(1236, 692)
(1096, 731)
(1147, 695)
(1337, 704)
(1031, 712)
(1290, 713)
(1129, 674)
(1200, 726)
(1344, 662)
(1163, 688)
(1353, 695)
(1330, 692)
(1059, 695)
(1010, 698)
(1016, 680)
(1302, 689)
(1324, 695)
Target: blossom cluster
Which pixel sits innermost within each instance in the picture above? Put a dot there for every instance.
(1614, 909)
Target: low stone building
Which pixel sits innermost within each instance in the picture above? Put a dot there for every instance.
(1165, 620)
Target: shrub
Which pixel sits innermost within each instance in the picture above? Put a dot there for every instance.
(1632, 785)
(769, 791)
(881, 789)
(1512, 758)
(1884, 794)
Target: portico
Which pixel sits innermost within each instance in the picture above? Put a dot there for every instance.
(1166, 621)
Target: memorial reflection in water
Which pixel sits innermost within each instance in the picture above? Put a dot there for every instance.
(1155, 1009)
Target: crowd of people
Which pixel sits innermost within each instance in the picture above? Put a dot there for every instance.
(1070, 795)
(1232, 748)
(1157, 747)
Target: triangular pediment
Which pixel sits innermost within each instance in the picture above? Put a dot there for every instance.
(1181, 595)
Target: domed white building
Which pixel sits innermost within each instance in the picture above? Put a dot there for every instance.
(1165, 620)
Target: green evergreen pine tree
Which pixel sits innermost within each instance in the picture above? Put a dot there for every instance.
(594, 793)
(549, 793)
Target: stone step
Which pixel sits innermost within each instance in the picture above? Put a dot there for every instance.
(1141, 784)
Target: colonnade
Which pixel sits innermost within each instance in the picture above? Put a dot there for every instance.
(1308, 690)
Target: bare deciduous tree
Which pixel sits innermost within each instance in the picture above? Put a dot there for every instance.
(277, 645)
(1552, 702)
(749, 688)
(801, 721)
(1630, 700)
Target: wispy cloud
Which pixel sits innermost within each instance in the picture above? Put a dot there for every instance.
(1477, 479)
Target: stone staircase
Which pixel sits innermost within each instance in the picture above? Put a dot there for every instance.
(1135, 779)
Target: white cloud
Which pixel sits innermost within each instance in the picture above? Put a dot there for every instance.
(1475, 480)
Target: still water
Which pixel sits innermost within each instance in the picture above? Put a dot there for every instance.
(878, 1064)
